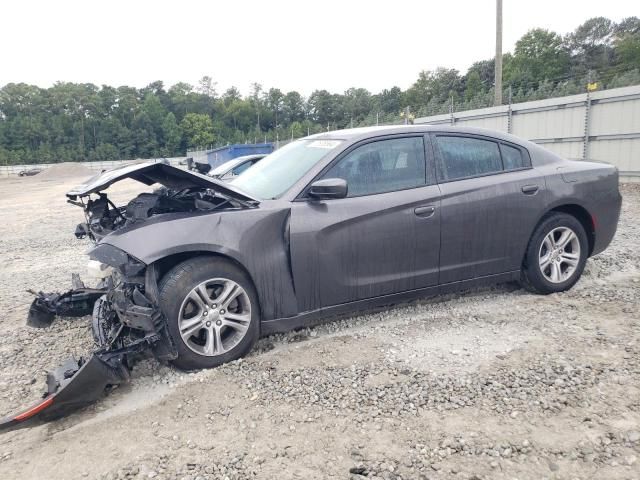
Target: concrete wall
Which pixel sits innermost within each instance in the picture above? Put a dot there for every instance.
(601, 126)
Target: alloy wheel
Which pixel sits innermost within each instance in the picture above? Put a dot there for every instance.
(214, 317)
(559, 254)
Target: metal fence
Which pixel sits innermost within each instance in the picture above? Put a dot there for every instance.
(9, 170)
(600, 126)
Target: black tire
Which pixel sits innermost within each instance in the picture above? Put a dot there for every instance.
(532, 276)
(176, 285)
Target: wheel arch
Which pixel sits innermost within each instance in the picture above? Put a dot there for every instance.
(580, 213)
(165, 264)
(585, 218)
(255, 239)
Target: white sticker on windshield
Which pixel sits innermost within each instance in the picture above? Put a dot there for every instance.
(328, 144)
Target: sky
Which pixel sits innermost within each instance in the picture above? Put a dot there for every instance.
(291, 45)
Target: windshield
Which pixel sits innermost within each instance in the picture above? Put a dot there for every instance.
(279, 171)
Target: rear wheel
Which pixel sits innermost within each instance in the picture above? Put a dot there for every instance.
(212, 311)
(556, 254)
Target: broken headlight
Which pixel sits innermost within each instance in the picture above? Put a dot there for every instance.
(107, 255)
(98, 270)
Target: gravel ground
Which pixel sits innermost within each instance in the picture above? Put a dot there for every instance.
(492, 383)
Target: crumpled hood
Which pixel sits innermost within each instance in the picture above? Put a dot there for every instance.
(152, 172)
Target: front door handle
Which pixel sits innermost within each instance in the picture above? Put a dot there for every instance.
(530, 189)
(425, 212)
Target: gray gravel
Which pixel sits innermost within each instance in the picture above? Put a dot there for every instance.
(492, 383)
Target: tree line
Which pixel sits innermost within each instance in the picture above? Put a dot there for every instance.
(74, 122)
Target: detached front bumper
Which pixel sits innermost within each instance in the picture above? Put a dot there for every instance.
(77, 302)
(127, 324)
(78, 383)
(73, 385)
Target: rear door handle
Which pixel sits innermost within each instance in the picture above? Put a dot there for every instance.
(425, 212)
(530, 189)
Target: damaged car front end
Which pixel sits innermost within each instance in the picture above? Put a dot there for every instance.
(127, 322)
(127, 317)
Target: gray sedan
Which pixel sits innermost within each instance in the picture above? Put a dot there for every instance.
(353, 219)
(334, 223)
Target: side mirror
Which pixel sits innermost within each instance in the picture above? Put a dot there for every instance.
(328, 188)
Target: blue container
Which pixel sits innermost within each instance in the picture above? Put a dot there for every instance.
(220, 155)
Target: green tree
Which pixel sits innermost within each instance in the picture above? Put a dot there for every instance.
(231, 95)
(293, 108)
(486, 70)
(274, 99)
(473, 85)
(197, 130)
(627, 43)
(179, 95)
(155, 111)
(297, 130)
(628, 51)
(144, 136)
(171, 135)
(206, 86)
(390, 100)
(435, 88)
(105, 151)
(322, 107)
(539, 55)
(629, 25)
(591, 45)
(357, 103)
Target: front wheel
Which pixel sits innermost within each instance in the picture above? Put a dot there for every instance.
(556, 254)
(212, 312)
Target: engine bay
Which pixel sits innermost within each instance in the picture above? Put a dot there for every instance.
(103, 217)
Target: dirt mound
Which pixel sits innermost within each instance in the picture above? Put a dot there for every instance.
(64, 170)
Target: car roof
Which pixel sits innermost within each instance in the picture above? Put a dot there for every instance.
(362, 133)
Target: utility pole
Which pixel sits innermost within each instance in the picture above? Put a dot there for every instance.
(498, 65)
(510, 112)
(587, 120)
(452, 117)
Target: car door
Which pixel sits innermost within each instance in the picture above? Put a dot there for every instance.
(491, 200)
(383, 238)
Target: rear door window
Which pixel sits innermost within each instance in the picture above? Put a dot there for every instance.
(463, 157)
(512, 157)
